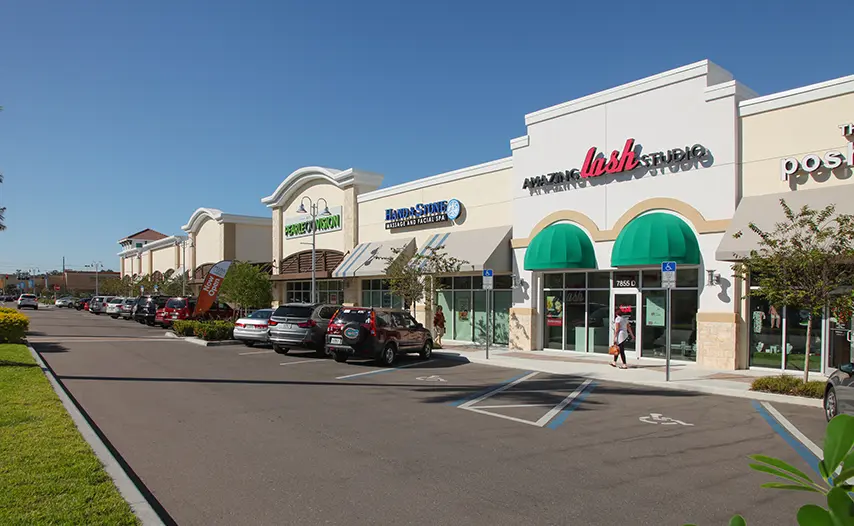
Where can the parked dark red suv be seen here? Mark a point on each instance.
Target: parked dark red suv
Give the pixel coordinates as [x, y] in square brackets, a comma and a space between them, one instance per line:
[381, 334]
[182, 309]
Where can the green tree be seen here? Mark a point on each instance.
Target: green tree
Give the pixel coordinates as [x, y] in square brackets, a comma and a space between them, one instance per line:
[805, 262]
[112, 287]
[412, 278]
[246, 286]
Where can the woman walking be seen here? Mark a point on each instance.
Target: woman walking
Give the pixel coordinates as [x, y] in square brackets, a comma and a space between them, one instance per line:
[438, 327]
[622, 331]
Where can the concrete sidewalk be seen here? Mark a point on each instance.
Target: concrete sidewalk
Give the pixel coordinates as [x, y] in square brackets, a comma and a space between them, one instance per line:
[648, 372]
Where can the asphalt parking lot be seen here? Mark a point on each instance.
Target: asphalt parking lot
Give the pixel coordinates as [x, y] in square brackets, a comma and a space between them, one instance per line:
[236, 435]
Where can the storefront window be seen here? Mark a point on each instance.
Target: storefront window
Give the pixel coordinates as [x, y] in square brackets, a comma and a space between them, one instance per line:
[554, 319]
[654, 324]
[464, 304]
[766, 334]
[683, 323]
[328, 291]
[598, 321]
[599, 280]
[796, 340]
[376, 293]
[553, 281]
[575, 280]
[651, 279]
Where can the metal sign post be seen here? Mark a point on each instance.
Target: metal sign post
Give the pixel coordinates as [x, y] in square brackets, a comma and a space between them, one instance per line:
[487, 286]
[668, 281]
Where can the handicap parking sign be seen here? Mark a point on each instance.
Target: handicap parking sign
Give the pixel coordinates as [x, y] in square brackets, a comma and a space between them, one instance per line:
[668, 266]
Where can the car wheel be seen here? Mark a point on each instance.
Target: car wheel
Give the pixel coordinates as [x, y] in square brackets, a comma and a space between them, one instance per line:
[114, 317]
[35, 308]
[249, 343]
[280, 349]
[341, 357]
[388, 355]
[427, 351]
[831, 404]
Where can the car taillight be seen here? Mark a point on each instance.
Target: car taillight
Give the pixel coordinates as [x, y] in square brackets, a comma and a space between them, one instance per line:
[239, 325]
[373, 323]
[307, 324]
[273, 323]
[261, 326]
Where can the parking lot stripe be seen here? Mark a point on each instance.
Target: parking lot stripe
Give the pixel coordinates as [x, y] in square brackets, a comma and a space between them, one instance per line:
[561, 418]
[494, 392]
[565, 402]
[461, 401]
[503, 406]
[800, 448]
[476, 410]
[301, 361]
[790, 427]
[377, 371]
[254, 352]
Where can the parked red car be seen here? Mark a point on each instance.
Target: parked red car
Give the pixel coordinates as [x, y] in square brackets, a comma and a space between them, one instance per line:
[182, 309]
[158, 317]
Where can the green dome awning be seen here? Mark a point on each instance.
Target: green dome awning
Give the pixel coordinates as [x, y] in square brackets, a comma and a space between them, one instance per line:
[654, 238]
[560, 246]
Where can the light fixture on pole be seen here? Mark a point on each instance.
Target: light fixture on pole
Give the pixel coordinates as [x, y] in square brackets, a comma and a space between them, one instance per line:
[187, 242]
[713, 277]
[312, 211]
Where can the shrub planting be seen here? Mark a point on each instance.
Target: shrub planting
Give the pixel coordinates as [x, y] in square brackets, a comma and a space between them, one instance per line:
[788, 385]
[214, 330]
[13, 326]
[184, 327]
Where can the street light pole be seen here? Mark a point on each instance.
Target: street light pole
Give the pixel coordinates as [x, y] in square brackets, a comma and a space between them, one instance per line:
[184, 274]
[95, 264]
[312, 211]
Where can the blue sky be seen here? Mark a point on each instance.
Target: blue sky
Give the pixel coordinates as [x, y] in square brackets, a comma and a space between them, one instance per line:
[125, 115]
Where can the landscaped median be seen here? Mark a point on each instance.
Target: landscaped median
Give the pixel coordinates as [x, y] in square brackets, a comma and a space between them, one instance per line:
[215, 332]
[789, 385]
[48, 473]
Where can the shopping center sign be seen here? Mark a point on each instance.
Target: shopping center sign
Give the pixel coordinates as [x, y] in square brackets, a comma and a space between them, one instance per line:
[620, 161]
[299, 226]
[812, 162]
[423, 214]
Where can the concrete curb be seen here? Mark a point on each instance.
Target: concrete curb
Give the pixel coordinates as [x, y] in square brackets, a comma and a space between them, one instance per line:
[676, 386]
[203, 343]
[129, 491]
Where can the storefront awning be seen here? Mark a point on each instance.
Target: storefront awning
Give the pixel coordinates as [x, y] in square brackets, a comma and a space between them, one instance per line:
[367, 258]
[654, 238]
[480, 249]
[560, 246]
[765, 211]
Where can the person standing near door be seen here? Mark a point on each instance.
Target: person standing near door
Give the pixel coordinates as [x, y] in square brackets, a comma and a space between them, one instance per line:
[438, 326]
[622, 331]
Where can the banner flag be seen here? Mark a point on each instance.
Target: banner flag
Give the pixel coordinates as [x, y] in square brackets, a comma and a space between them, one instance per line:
[210, 288]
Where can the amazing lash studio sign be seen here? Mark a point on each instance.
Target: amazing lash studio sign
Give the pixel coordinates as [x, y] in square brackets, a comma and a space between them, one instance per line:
[596, 165]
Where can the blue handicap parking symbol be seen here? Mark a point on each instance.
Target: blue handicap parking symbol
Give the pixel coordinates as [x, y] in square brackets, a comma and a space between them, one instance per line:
[668, 266]
[487, 272]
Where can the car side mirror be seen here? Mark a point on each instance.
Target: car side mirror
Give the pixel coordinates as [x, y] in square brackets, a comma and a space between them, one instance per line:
[847, 368]
[419, 325]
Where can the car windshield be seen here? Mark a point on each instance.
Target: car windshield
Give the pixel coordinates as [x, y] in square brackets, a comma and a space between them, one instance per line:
[28, 296]
[160, 302]
[293, 311]
[347, 315]
[115, 301]
[130, 301]
[176, 303]
[262, 314]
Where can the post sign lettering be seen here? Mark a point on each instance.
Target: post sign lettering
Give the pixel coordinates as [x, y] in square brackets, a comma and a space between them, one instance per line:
[828, 161]
[299, 226]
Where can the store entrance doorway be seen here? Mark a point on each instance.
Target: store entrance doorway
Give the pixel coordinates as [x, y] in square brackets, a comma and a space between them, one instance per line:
[841, 343]
[627, 302]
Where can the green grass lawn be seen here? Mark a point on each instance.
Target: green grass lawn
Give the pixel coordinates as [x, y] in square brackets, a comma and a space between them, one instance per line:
[48, 473]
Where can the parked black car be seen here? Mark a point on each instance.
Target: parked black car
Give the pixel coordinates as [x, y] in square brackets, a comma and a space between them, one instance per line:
[300, 325]
[381, 334]
[146, 308]
[79, 303]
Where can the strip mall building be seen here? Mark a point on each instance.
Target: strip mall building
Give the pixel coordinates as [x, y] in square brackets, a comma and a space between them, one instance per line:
[577, 222]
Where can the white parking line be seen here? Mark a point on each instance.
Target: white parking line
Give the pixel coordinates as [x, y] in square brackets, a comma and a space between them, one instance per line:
[502, 406]
[504, 387]
[376, 371]
[254, 352]
[301, 361]
[817, 451]
[558, 408]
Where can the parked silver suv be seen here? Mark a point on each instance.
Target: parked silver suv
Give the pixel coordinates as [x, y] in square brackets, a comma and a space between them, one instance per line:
[29, 301]
[300, 325]
[98, 304]
[114, 307]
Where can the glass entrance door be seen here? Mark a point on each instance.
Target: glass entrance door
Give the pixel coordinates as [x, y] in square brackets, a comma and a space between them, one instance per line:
[626, 302]
[841, 343]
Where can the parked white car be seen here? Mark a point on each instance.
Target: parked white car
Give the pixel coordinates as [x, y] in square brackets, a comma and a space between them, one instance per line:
[252, 329]
[28, 301]
[114, 307]
[67, 301]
